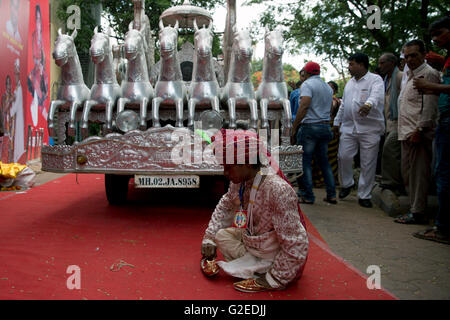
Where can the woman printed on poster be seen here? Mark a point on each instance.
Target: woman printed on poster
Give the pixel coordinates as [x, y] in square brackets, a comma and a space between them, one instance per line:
[38, 79]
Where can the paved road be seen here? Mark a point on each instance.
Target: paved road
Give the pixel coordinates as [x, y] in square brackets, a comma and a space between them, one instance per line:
[410, 268]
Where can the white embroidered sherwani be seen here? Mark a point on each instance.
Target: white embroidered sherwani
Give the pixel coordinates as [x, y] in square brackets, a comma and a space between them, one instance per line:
[279, 237]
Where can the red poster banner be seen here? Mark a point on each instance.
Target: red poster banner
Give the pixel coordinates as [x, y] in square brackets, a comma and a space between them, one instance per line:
[24, 77]
[13, 77]
[38, 74]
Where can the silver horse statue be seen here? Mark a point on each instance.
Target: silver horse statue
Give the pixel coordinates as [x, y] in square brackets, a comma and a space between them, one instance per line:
[239, 91]
[204, 90]
[170, 88]
[72, 91]
[136, 88]
[105, 91]
[272, 92]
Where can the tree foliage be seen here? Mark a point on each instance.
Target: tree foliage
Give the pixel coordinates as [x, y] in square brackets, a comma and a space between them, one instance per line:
[291, 75]
[120, 14]
[338, 28]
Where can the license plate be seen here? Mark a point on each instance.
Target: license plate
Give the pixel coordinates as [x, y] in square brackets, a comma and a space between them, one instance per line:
[167, 181]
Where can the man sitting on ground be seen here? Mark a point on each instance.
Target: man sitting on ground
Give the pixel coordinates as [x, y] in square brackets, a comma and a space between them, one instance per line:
[257, 225]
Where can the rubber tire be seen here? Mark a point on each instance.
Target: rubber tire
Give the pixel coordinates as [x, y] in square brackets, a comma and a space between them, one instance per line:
[214, 187]
[116, 187]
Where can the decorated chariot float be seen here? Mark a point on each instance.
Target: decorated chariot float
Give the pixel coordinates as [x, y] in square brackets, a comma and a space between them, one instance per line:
[157, 118]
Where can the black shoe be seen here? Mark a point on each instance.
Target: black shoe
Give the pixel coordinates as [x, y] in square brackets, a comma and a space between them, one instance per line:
[366, 203]
[345, 192]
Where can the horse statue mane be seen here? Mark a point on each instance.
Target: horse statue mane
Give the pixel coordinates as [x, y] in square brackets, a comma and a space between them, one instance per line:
[272, 92]
[119, 63]
[105, 91]
[170, 88]
[72, 91]
[136, 88]
[204, 90]
[239, 91]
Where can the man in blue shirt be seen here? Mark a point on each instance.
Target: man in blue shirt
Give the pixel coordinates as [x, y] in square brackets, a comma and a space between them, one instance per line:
[295, 95]
[311, 129]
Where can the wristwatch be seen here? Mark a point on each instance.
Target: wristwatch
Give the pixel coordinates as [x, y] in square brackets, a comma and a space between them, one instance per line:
[420, 129]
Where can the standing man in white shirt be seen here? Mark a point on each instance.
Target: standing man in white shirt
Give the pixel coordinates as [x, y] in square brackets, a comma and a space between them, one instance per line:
[416, 126]
[361, 123]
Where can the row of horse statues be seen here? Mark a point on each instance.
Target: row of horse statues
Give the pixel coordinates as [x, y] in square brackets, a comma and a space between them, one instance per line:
[136, 91]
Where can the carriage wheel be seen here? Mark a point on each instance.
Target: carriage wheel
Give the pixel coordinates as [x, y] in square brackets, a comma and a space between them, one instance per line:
[116, 187]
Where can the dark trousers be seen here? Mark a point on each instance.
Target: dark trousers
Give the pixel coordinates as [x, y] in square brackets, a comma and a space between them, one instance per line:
[315, 138]
[391, 173]
[443, 174]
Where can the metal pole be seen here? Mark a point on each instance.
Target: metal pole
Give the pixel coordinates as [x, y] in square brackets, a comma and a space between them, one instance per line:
[33, 142]
[41, 134]
[28, 142]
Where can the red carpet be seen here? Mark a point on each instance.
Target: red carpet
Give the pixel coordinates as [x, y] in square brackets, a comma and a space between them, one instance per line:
[62, 223]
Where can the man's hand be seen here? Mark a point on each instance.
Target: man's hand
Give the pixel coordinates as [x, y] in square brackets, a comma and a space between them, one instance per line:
[422, 85]
[416, 137]
[364, 110]
[209, 251]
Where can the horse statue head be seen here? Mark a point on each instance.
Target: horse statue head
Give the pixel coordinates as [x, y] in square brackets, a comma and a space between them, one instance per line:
[64, 48]
[134, 44]
[273, 55]
[273, 41]
[241, 57]
[242, 45]
[203, 39]
[168, 39]
[135, 48]
[100, 47]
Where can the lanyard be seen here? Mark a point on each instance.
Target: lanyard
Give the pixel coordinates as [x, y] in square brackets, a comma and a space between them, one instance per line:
[253, 192]
[241, 195]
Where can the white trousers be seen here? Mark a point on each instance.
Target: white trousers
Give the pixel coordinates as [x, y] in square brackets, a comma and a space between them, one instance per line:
[367, 144]
[240, 262]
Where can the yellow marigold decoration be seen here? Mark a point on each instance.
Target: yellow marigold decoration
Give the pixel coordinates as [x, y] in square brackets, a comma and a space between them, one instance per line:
[10, 170]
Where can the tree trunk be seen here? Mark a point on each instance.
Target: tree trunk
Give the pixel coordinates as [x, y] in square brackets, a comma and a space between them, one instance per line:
[424, 24]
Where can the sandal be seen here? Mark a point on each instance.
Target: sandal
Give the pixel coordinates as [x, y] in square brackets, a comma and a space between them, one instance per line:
[433, 234]
[411, 218]
[330, 200]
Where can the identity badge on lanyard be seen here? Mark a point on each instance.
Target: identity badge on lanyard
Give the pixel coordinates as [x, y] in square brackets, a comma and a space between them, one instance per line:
[240, 216]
